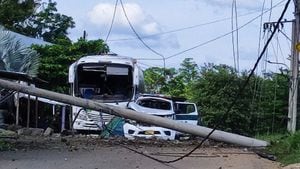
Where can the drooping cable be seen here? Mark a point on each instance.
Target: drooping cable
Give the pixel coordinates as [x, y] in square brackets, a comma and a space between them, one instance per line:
[143, 42]
[214, 39]
[112, 21]
[185, 28]
[275, 86]
[239, 93]
[256, 83]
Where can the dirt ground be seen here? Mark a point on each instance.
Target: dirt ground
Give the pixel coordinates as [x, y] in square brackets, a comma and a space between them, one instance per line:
[95, 153]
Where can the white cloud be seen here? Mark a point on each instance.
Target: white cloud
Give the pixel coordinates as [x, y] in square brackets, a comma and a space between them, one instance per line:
[101, 16]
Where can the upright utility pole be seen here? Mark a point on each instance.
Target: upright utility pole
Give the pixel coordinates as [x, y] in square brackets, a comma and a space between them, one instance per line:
[293, 90]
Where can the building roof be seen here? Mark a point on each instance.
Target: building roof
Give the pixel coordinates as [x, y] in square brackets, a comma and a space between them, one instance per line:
[20, 77]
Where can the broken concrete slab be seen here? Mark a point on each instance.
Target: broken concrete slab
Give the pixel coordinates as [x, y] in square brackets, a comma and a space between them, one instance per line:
[14, 127]
[37, 131]
[7, 134]
[30, 131]
[48, 131]
[24, 131]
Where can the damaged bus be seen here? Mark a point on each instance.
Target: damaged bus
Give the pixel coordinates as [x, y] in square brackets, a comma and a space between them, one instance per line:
[110, 79]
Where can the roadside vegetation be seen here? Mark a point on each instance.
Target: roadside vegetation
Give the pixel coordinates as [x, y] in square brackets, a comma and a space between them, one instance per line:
[261, 109]
[285, 147]
[4, 145]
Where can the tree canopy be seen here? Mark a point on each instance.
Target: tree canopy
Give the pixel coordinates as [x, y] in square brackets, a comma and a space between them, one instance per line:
[35, 19]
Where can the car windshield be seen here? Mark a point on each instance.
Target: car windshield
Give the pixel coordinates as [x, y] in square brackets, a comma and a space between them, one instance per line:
[155, 104]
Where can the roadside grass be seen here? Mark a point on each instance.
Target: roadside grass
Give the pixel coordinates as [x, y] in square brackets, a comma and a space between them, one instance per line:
[4, 145]
[285, 147]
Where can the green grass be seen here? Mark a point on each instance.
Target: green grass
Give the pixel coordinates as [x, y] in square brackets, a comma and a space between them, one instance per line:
[285, 147]
[4, 145]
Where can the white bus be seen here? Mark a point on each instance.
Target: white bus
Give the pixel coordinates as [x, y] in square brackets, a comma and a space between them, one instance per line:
[109, 78]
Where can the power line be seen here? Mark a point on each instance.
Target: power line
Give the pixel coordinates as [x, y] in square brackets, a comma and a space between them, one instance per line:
[138, 36]
[242, 88]
[221, 36]
[184, 28]
[214, 39]
[112, 21]
[284, 34]
[256, 81]
[239, 93]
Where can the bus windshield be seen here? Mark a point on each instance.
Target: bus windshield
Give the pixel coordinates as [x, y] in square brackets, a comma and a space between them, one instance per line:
[104, 82]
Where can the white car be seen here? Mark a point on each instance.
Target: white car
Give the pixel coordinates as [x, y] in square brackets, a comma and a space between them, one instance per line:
[157, 106]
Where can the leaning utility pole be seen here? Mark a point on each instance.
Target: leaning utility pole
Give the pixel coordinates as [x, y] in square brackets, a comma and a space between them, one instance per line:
[293, 89]
[130, 114]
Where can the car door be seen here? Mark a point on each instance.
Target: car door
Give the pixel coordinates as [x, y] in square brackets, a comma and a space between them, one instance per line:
[186, 113]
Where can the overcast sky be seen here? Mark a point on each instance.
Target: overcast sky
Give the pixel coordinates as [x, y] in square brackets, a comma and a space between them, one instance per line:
[152, 19]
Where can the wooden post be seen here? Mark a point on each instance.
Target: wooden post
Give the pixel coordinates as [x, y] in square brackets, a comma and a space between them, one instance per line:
[63, 118]
[28, 111]
[17, 108]
[36, 111]
[130, 114]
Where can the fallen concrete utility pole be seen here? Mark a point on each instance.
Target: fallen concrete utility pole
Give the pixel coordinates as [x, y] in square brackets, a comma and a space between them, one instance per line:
[130, 114]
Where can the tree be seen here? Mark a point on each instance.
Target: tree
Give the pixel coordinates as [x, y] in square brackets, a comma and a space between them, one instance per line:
[156, 79]
[56, 59]
[49, 25]
[260, 108]
[170, 81]
[188, 73]
[188, 70]
[14, 13]
[31, 18]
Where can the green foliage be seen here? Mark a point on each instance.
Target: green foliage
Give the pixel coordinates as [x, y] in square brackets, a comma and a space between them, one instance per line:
[260, 108]
[31, 18]
[285, 147]
[56, 59]
[14, 13]
[15, 57]
[49, 25]
[156, 79]
[188, 70]
[170, 81]
[4, 145]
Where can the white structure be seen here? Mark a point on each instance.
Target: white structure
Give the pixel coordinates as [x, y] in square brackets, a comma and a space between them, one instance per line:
[110, 79]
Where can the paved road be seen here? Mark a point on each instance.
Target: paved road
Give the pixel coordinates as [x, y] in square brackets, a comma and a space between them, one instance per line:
[116, 157]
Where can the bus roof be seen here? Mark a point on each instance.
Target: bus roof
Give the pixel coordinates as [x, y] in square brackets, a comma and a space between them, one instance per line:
[112, 58]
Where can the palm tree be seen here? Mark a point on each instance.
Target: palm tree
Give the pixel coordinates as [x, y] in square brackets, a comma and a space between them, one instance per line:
[15, 57]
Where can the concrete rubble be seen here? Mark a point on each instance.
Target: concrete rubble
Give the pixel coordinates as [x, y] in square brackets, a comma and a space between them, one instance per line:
[48, 131]
[30, 131]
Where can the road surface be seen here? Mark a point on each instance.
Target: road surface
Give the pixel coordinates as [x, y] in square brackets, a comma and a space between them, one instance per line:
[87, 154]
